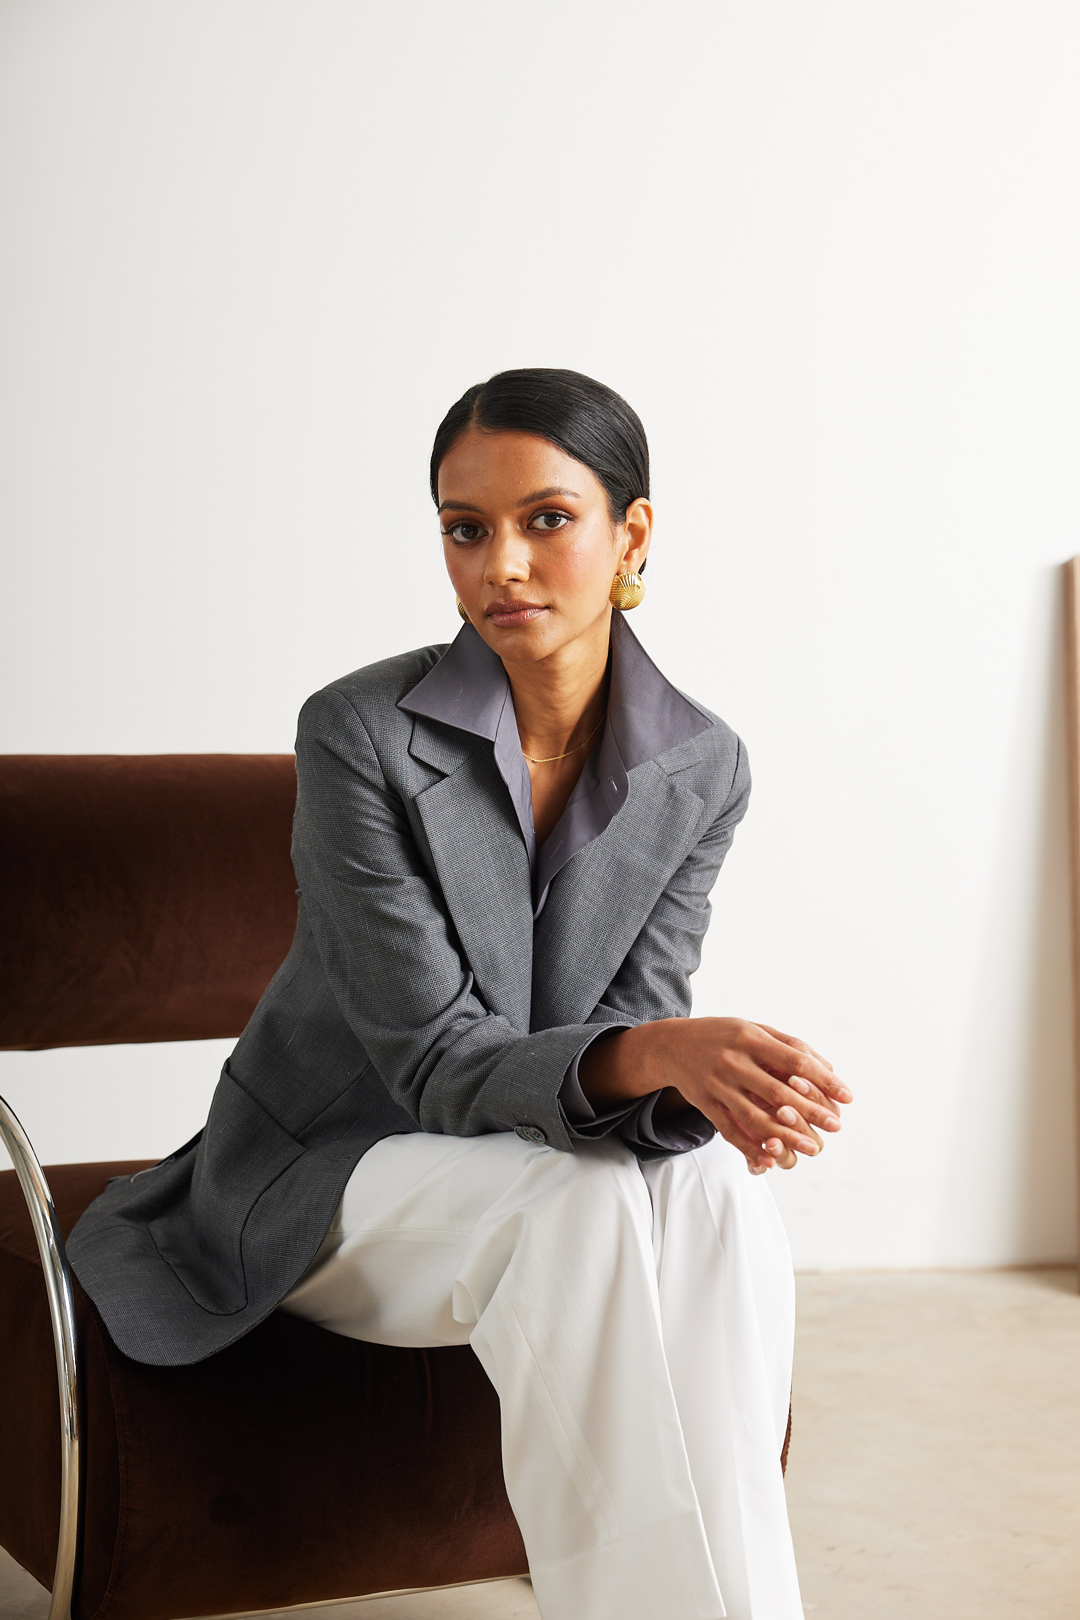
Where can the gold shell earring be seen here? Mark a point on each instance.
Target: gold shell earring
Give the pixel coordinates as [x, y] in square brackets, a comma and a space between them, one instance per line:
[461, 609]
[627, 591]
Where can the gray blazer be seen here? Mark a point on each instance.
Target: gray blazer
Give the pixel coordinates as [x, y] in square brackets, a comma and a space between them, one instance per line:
[423, 990]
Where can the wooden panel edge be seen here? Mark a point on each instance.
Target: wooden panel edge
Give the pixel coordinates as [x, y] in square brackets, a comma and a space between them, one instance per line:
[1072, 712]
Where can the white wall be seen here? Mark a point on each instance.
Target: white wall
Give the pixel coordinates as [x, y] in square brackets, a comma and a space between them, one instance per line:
[253, 249]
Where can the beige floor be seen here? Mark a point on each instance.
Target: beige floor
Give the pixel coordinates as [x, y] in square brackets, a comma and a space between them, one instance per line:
[935, 1468]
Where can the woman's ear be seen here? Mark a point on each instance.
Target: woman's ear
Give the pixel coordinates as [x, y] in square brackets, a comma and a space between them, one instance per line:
[636, 536]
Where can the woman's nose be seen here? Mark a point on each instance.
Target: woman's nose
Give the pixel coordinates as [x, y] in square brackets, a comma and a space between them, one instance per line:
[507, 558]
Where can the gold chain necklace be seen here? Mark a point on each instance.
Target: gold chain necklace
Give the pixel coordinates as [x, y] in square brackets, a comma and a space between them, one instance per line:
[551, 758]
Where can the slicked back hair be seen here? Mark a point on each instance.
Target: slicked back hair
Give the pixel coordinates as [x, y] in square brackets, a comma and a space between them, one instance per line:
[588, 420]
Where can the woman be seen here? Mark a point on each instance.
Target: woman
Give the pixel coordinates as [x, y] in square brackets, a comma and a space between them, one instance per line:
[471, 1106]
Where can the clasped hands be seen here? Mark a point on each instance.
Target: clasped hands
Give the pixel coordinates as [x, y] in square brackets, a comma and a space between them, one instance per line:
[767, 1093]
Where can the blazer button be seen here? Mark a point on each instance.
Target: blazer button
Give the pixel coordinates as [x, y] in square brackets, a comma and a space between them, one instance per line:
[531, 1133]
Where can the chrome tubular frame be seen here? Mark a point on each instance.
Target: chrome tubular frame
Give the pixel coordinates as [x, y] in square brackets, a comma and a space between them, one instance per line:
[54, 1264]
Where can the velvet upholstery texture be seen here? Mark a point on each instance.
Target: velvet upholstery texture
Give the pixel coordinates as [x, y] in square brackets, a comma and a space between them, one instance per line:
[294, 1466]
[146, 897]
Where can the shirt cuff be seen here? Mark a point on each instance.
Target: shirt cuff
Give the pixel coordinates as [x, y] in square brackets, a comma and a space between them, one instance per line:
[678, 1133]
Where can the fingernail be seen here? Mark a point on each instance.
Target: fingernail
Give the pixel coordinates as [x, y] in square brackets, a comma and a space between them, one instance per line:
[756, 1169]
[787, 1116]
[829, 1123]
[844, 1095]
[806, 1145]
[773, 1146]
[798, 1085]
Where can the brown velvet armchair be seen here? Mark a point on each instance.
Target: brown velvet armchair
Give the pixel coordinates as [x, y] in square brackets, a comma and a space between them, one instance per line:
[150, 898]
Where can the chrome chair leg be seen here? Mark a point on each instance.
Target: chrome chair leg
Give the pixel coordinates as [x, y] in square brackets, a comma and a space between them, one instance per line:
[54, 1264]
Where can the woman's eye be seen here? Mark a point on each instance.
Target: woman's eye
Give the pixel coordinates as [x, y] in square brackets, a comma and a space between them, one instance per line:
[464, 532]
[549, 521]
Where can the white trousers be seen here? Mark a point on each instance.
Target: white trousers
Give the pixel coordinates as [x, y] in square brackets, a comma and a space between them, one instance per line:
[636, 1321]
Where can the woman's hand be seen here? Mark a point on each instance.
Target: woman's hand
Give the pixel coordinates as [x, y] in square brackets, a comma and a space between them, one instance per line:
[765, 1091]
[783, 1156]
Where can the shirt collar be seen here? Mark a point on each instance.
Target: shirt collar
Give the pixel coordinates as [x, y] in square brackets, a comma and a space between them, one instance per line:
[469, 688]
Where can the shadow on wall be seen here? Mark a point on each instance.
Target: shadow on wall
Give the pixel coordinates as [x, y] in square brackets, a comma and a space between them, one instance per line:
[1013, 1197]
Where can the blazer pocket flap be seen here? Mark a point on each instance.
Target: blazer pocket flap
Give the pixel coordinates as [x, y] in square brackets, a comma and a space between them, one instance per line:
[242, 1152]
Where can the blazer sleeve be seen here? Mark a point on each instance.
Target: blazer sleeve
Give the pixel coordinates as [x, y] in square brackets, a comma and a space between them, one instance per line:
[653, 980]
[387, 946]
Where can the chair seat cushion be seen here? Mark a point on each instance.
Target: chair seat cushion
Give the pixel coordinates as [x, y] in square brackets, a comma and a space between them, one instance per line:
[294, 1467]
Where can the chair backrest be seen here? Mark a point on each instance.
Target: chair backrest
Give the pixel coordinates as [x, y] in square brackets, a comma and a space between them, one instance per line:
[144, 897]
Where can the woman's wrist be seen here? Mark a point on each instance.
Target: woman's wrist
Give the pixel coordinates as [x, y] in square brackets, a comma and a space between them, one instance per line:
[622, 1066]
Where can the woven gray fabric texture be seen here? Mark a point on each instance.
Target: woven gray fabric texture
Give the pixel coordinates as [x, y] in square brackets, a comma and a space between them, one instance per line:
[419, 993]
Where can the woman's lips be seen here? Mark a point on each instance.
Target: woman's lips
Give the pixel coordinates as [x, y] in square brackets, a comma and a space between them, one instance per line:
[508, 614]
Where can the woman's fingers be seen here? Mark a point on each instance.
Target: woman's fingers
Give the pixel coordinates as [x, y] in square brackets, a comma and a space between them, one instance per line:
[803, 1048]
[761, 1090]
[783, 1102]
[815, 1113]
[797, 1042]
[757, 1158]
[763, 1127]
[799, 1123]
[782, 1156]
[821, 1117]
[794, 1061]
[820, 1101]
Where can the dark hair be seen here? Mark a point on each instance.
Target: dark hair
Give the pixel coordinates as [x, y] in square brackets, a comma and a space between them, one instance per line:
[590, 422]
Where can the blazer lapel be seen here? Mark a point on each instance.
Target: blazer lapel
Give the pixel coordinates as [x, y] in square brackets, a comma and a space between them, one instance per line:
[601, 899]
[482, 866]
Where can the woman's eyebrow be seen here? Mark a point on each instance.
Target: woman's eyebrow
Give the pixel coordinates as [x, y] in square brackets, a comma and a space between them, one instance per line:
[546, 494]
[537, 495]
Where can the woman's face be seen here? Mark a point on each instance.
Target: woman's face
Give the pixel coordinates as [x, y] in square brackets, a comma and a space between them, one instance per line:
[530, 545]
